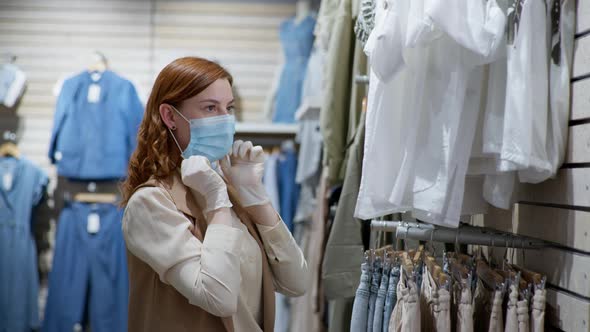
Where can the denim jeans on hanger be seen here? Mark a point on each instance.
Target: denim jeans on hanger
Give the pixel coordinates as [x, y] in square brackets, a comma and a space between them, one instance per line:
[375, 283]
[391, 297]
[380, 303]
[360, 307]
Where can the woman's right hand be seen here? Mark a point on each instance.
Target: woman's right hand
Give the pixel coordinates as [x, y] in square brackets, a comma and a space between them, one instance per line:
[208, 186]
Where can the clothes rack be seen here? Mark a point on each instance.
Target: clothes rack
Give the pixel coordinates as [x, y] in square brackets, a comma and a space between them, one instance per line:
[464, 234]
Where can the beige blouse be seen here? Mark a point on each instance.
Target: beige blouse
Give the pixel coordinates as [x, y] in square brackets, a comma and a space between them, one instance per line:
[222, 274]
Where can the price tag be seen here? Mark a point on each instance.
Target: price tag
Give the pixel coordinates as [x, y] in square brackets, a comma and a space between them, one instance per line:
[7, 181]
[93, 225]
[93, 93]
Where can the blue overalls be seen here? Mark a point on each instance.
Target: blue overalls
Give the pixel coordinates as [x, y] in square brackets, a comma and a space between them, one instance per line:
[88, 282]
[19, 281]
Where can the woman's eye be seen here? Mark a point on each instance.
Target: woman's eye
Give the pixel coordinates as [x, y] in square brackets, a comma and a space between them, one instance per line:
[211, 108]
[231, 109]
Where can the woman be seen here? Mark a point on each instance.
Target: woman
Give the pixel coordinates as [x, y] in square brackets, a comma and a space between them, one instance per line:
[206, 252]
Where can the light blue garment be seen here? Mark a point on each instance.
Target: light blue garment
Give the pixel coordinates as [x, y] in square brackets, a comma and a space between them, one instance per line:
[19, 283]
[94, 140]
[88, 283]
[288, 189]
[283, 315]
[7, 76]
[211, 137]
[391, 298]
[375, 284]
[270, 180]
[297, 41]
[360, 308]
[381, 295]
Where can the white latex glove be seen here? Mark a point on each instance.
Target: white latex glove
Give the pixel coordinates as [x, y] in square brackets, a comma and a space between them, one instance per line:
[207, 186]
[244, 168]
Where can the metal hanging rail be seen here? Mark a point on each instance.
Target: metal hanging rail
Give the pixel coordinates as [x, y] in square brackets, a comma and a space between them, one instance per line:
[464, 234]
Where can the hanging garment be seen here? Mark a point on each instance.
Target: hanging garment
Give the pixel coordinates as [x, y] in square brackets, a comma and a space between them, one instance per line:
[309, 135]
[288, 189]
[462, 309]
[434, 305]
[430, 183]
[560, 28]
[95, 127]
[487, 309]
[406, 314]
[395, 322]
[89, 271]
[525, 120]
[391, 298]
[380, 303]
[496, 318]
[511, 314]
[388, 132]
[411, 308]
[307, 311]
[522, 310]
[338, 76]
[344, 248]
[270, 180]
[375, 284]
[22, 185]
[365, 21]
[360, 309]
[282, 313]
[297, 41]
[538, 310]
[12, 84]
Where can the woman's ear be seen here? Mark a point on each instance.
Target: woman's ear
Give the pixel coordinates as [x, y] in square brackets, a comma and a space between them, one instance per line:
[168, 116]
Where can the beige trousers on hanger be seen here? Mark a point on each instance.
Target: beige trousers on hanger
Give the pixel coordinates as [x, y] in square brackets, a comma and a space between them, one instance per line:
[435, 305]
[395, 322]
[538, 311]
[522, 309]
[496, 319]
[462, 308]
[406, 315]
[511, 315]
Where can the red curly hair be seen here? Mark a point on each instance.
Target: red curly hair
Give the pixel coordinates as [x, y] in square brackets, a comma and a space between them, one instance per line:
[156, 153]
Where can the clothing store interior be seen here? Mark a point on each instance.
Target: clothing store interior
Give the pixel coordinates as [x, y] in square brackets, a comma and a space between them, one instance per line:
[410, 183]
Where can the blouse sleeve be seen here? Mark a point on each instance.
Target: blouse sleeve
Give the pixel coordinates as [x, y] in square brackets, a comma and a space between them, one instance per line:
[286, 259]
[206, 273]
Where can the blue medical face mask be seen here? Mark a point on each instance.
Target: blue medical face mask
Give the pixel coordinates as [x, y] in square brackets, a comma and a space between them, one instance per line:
[211, 137]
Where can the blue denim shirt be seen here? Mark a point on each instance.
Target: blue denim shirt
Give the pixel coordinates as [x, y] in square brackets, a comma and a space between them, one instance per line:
[19, 283]
[93, 141]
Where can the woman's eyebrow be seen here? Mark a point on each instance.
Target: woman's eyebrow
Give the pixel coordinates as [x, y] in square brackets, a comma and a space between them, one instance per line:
[209, 101]
[215, 101]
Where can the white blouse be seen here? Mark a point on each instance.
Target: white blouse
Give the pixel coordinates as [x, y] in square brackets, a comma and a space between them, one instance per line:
[222, 274]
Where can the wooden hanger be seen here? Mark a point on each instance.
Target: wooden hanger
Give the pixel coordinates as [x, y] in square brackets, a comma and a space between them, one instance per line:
[491, 278]
[96, 198]
[418, 255]
[9, 149]
[529, 276]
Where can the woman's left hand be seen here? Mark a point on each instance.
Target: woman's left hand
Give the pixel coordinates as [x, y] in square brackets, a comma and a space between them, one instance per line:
[244, 168]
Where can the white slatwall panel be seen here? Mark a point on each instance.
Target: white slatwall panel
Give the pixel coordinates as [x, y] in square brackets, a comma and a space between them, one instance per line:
[55, 38]
[557, 210]
[243, 37]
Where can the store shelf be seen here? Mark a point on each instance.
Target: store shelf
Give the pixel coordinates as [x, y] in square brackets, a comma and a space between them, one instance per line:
[266, 128]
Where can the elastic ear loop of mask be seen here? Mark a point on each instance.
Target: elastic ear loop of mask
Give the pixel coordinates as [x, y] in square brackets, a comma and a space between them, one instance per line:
[173, 136]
